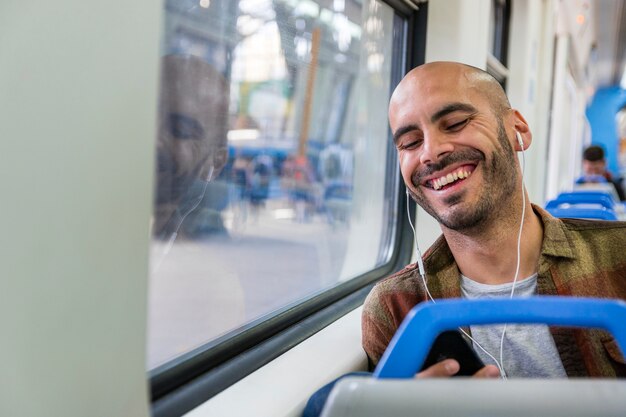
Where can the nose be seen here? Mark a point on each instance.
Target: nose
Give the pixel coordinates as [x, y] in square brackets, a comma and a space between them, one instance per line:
[434, 147]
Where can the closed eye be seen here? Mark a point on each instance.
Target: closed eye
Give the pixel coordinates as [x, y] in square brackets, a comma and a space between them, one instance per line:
[410, 144]
[458, 126]
[184, 127]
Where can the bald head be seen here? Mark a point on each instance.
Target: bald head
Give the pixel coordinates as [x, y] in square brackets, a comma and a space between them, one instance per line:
[452, 76]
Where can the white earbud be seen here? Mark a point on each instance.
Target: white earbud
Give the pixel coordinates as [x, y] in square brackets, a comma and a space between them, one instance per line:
[519, 139]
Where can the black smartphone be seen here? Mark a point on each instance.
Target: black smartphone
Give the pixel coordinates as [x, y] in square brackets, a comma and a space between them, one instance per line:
[451, 345]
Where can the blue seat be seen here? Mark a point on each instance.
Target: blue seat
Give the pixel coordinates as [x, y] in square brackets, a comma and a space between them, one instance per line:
[395, 393]
[574, 212]
[590, 178]
[410, 345]
[584, 204]
[583, 197]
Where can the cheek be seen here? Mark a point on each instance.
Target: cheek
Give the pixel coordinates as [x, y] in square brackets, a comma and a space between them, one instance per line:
[406, 166]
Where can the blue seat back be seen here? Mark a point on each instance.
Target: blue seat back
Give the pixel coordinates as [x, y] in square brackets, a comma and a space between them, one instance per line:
[583, 197]
[600, 213]
[410, 345]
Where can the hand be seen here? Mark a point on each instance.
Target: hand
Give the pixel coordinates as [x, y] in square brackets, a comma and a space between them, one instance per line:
[450, 367]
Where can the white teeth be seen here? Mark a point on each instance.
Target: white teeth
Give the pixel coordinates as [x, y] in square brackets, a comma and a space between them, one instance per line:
[450, 178]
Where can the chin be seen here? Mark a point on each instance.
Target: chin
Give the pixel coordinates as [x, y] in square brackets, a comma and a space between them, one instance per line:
[461, 217]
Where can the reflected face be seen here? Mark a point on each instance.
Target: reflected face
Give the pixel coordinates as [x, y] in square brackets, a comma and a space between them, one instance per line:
[455, 156]
[191, 142]
[594, 167]
[193, 117]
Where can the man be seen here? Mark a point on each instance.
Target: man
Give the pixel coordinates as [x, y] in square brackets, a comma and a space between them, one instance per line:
[456, 138]
[594, 167]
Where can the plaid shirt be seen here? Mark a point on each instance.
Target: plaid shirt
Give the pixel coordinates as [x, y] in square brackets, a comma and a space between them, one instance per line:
[584, 258]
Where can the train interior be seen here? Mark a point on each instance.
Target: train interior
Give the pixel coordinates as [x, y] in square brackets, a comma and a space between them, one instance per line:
[199, 194]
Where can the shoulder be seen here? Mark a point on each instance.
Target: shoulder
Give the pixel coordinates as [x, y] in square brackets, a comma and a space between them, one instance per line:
[403, 281]
[592, 258]
[583, 236]
[385, 307]
[393, 297]
[399, 292]
[601, 243]
[596, 229]
[579, 232]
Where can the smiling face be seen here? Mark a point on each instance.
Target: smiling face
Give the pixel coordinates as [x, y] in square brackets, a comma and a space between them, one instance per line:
[449, 123]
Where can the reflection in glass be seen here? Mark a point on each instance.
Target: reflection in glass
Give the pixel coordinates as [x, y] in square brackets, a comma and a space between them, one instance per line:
[271, 160]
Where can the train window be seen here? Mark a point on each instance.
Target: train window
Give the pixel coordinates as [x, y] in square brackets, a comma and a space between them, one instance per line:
[500, 17]
[273, 161]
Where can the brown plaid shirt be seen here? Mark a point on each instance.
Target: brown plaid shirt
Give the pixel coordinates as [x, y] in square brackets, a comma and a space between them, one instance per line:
[583, 258]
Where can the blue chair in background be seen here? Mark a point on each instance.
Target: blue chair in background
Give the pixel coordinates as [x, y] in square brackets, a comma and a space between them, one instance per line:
[583, 197]
[584, 204]
[574, 212]
[583, 179]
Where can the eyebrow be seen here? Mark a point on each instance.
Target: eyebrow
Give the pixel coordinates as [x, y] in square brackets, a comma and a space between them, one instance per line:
[402, 130]
[451, 108]
[445, 110]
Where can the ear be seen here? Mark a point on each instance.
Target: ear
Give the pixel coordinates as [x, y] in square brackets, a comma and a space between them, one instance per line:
[521, 126]
[220, 157]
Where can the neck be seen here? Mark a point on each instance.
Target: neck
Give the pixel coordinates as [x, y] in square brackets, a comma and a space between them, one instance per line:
[489, 255]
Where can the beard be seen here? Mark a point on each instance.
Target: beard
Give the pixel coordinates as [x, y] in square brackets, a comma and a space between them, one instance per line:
[500, 177]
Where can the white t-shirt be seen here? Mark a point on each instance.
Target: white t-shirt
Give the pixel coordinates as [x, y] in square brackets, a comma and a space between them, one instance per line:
[529, 350]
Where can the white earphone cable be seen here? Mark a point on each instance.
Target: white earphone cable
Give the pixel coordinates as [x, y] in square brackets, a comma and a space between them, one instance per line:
[422, 274]
[519, 246]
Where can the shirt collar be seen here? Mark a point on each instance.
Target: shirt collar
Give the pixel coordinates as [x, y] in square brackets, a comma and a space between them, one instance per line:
[555, 243]
[555, 235]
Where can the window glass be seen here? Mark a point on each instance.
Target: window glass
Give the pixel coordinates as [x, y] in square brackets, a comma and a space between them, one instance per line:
[273, 168]
[620, 123]
[499, 33]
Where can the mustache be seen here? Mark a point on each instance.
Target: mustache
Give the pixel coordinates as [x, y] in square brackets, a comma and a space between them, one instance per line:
[449, 159]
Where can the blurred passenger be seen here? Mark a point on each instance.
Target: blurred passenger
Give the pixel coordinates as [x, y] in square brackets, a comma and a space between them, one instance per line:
[594, 168]
[259, 174]
[240, 174]
[298, 179]
[335, 169]
[191, 148]
[241, 187]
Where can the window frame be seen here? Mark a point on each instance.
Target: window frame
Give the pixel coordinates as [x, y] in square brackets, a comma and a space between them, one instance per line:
[194, 377]
[500, 47]
[497, 57]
